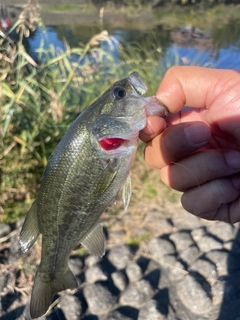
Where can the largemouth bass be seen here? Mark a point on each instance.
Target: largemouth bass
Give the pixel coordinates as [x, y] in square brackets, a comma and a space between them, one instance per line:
[83, 176]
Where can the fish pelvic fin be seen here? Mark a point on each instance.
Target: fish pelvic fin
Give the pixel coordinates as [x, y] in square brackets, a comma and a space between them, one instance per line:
[30, 230]
[127, 192]
[45, 287]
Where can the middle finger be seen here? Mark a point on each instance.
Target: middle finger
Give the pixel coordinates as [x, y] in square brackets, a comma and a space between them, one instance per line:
[201, 167]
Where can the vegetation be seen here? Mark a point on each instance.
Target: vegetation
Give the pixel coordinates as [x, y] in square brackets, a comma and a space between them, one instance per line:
[204, 17]
[131, 6]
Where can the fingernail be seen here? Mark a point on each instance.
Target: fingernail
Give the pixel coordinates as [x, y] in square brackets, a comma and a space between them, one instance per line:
[233, 158]
[197, 133]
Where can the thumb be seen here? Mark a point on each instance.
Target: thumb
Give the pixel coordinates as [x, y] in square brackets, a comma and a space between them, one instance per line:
[198, 87]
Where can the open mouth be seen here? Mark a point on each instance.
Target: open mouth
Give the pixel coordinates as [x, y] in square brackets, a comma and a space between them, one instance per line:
[111, 143]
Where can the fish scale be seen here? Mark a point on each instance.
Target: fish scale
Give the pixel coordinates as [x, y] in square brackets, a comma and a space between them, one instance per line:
[82, 177]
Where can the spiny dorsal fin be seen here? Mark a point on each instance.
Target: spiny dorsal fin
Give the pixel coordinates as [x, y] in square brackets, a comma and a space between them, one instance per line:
[95, 241]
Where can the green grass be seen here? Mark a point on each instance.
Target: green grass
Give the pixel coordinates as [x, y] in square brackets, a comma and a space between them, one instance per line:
[63, 7]
[199, 15]
[137, 240]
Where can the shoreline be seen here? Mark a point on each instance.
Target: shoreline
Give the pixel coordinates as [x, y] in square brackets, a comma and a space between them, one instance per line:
[144, 19]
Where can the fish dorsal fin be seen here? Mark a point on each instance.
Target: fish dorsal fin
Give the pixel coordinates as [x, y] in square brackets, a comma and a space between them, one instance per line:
[95, 241]
[30, 230]
[127, 192]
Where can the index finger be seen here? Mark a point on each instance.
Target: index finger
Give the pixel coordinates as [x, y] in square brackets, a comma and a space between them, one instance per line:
[197, 87]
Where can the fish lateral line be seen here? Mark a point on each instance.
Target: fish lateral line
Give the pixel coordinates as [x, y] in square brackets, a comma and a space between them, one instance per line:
[111, 143]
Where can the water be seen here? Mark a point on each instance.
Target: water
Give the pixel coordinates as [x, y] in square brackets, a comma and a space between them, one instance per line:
[214, 49]
[228, 58]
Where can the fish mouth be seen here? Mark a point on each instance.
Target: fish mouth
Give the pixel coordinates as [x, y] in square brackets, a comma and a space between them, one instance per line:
[154, 107]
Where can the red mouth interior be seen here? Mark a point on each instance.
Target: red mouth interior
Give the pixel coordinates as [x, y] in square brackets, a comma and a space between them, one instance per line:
[111, 143]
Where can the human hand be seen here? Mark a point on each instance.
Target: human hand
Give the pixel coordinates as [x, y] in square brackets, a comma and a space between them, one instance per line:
[199, 152]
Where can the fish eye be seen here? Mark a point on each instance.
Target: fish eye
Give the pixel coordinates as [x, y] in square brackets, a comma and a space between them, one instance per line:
[119, 93]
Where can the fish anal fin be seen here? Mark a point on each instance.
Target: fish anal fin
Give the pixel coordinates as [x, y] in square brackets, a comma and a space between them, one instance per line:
[44, 289]
[127, 192]
[95, 241]
[30, 230]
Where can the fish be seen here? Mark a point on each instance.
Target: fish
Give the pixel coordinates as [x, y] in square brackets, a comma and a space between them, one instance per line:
[82, 178]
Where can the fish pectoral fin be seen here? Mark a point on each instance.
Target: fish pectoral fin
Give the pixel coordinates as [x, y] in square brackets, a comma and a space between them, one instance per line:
[127, 192]
[30, 230]
[45, 287]
[95, 241]
[103, 181]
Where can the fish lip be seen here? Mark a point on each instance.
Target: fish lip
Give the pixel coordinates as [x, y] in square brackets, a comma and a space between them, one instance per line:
[154, 107]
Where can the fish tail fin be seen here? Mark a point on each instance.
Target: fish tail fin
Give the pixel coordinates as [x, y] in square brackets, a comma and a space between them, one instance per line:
[45, 287]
